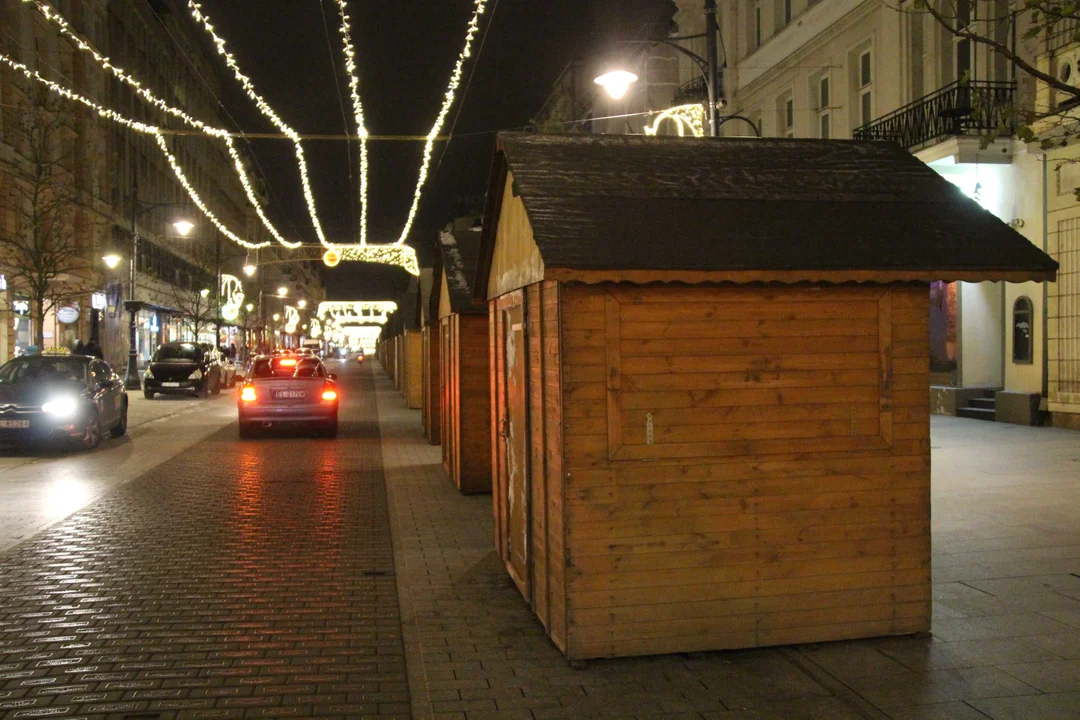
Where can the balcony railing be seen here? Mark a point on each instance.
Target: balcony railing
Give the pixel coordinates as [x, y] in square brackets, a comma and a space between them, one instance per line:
[976, 107]
[694, 91]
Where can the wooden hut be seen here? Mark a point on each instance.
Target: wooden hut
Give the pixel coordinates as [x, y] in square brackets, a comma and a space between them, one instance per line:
[411, 358]
[710, 370]
[429, 341]
[465, 388]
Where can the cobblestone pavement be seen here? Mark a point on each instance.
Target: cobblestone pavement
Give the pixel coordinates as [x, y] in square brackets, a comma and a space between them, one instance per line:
[39, 486]
[241, 579]
[1006, 641]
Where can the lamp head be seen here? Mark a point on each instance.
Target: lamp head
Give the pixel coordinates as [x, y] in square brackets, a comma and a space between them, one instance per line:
[250, 269]
[616, 82]
[301, 304]
[183, 227]
[112, 260]
[204, 292]
[282, 291]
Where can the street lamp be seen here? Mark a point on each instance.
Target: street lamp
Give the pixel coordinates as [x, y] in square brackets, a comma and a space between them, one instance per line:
[204, 293]
[112, 260]
[250, 269]
[282, 291]
[301, 303]
[183, 227]
[618, 81]
[277, 317]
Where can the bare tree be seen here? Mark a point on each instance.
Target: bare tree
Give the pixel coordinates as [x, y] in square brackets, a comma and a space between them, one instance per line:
[195, 295]
[40, 247]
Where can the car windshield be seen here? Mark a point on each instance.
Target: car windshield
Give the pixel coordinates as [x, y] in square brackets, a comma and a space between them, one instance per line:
[42, 370]
[178, 351]
[287, 366]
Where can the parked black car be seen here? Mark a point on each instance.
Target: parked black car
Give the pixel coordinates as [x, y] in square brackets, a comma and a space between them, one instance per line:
[182, 368]
[61, 396]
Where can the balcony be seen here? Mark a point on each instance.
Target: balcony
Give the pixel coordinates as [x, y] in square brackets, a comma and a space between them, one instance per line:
[693, 92]
[972, 108]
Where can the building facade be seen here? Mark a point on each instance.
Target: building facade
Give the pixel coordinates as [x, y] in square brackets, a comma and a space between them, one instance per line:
[124, 178]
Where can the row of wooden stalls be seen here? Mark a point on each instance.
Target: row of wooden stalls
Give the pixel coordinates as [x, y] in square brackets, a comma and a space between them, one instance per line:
[701, 368]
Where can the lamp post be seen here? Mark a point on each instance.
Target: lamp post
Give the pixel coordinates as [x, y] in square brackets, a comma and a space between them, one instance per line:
[618, 81]
[132, 379]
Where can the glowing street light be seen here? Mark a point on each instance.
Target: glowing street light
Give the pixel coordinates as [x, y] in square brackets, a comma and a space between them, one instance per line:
[616, 82]
[282, 291]
[277, 316]
[301, 304]
[112, 260]
[249, 307]
[183, 227]
[204, 292]
[250, 269]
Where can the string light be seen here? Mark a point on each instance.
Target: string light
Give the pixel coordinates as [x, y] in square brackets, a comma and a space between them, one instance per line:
[316, 329]
[357, 311]
[233, 292]
[267, 111]
[151, 130]
[686, 117]
[400, 255]
[65, 29]
[448, 101]
[358, 112]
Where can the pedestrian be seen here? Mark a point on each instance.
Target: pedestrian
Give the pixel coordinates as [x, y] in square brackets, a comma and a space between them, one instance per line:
[232, 351]
[78, 348]
[94, 350]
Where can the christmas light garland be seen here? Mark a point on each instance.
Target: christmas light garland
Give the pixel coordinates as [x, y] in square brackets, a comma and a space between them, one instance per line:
[448, 101]
[358, 112]
[140, 127]
[400, 255]
[686, 117]
[61, 23]
[267, 111]
[357, 312]
[232, 290]
[292, 319]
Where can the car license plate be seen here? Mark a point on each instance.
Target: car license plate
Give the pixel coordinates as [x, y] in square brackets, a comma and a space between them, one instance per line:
[170, 384]
[14, 423]
[289, 394]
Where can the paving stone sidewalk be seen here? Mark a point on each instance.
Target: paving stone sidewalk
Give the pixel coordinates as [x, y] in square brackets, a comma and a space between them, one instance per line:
[1006, 645]
[242, 579]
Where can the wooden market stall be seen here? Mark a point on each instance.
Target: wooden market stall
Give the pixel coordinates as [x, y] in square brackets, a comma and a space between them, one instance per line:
[429, 344]
[411, 357]
[710, 372]
[465, 388]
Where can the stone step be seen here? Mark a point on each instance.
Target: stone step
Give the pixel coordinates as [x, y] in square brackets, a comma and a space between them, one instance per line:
[983, 403]
[975, 413]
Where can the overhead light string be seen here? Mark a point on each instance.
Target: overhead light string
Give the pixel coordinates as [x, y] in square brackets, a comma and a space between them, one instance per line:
[140, 127]
[448, 100]
[268, 112]
[65, 28]
[358, 112]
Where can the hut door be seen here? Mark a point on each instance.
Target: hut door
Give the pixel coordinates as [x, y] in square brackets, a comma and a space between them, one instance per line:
[514, 432]
[445, 399]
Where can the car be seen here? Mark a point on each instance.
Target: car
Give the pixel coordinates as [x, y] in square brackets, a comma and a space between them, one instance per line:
[288, 390]
[61, 396]
[182, 368]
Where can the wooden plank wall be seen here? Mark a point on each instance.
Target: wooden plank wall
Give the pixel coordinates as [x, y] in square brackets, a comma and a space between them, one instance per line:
[787, 499]
[414, 369]
[432, 399]
[448, 396]
[473, 404]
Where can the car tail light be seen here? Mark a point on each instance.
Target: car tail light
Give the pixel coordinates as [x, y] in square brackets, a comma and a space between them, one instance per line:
[287, 362]
[329, 394]
[247, 394]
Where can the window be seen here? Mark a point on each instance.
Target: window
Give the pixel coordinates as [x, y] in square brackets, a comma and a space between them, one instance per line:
[1023, 327]
[820, 92]
[757, 26]
[787, 11]
[789, 118]
[864, 84]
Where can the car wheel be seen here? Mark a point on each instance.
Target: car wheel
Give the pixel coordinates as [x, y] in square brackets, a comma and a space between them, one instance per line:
[120, 428]
[246, 431]
[148, 394]
[91, 436]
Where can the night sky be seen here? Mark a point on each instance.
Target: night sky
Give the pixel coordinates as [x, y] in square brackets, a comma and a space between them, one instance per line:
[405, 53]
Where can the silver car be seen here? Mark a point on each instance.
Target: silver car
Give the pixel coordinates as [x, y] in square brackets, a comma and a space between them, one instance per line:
[288, 390]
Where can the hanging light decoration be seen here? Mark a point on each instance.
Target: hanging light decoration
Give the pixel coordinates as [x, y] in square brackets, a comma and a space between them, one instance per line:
[232, 293]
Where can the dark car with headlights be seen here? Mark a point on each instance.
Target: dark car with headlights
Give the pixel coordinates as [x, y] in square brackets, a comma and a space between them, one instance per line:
[182, 368]
[61, 397]
[288, 390]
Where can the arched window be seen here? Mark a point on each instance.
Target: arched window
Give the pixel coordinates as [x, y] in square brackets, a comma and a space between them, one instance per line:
[1023, 330]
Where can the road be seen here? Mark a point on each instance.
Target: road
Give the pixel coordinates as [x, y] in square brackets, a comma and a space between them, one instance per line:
[212, 577]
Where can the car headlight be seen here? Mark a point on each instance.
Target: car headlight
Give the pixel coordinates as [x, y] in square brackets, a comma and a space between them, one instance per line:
[197, 375]
[148, 373]
[63, 407]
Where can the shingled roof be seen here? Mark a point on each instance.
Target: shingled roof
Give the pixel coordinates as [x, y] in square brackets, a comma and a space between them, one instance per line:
[458, 253]
[603, 202]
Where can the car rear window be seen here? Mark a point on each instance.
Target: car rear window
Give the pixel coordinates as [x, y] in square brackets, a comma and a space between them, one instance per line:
[285, 367]
[179, 351]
